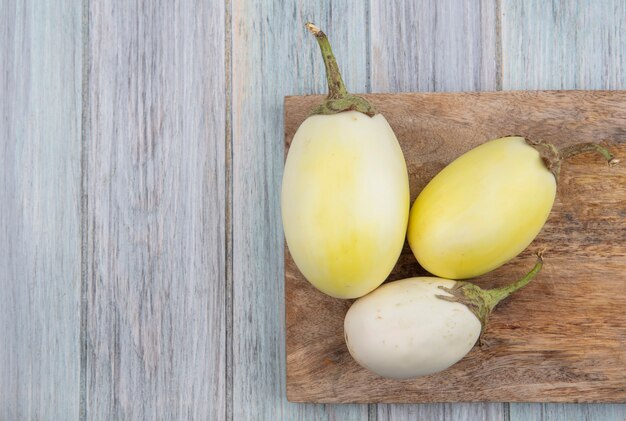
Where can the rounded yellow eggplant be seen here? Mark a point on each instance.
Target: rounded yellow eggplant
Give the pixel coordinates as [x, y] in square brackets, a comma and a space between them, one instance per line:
[487, 206]
[345, 192]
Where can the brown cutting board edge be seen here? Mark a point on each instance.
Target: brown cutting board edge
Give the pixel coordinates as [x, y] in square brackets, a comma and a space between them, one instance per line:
[563, 337]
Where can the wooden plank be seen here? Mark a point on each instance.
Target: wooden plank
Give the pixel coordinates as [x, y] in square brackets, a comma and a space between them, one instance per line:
[40, 190]
[156, 211]
[441, 412]
[434, 46]
[566, 412]
[571, 45]
[273, 56]
[527, 352]
[577, 44]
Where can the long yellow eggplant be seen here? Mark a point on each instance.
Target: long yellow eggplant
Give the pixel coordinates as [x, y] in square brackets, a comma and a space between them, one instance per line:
[345, 192]
[487, 206]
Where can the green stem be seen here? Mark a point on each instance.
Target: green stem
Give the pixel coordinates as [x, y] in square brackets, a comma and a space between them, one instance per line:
[482, 302]
[552, 156]
[336, 87]
[574, 150]
[495, 295]
[338, 100]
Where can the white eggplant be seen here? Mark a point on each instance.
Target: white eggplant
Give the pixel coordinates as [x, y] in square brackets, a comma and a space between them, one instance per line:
[420, 326]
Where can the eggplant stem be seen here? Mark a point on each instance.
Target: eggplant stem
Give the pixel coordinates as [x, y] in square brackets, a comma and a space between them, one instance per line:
[482, 302]
[552, 156]
[338, 100]
[574, 150]
[495, 295]
[336, 86]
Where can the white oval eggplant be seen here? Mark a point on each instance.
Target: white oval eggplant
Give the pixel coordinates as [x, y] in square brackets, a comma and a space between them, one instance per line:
[420, 326]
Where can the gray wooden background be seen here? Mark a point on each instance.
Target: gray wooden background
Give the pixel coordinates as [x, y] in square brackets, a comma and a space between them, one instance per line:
[141, 248]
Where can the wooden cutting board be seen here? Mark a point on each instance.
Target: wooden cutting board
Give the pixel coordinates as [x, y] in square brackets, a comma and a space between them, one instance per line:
[563, 337]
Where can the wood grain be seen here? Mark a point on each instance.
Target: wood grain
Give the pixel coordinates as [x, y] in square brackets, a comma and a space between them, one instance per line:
[568, 45]
[566, 412]
[529, 353]
[158, 349]
[40, 188]
[435, 46]
[441, 412]
[273, 55]
[552, 44]
[156, 179]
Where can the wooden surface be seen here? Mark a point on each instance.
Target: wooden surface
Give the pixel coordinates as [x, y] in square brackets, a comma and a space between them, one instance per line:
[195, 91]
[40, 210]
[422, 52]
[156, 275]
[529, 354]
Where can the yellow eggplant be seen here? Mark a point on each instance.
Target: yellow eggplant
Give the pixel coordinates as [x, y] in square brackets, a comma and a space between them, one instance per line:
[487, 206]
[345, 192]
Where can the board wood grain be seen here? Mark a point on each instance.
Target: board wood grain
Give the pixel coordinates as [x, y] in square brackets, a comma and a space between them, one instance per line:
[156, 292]
[40, 209]
[530, 353]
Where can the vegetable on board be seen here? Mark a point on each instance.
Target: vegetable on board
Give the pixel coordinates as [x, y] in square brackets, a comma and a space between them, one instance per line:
[345, 192]
[420, 326]
[487, 206]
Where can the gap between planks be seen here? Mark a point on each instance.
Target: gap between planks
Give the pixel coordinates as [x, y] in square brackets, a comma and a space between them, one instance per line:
[84, 211]
[228, 237]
